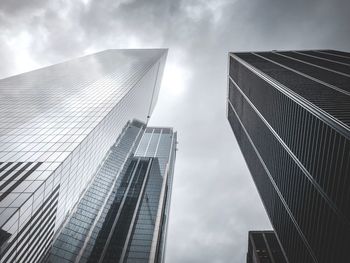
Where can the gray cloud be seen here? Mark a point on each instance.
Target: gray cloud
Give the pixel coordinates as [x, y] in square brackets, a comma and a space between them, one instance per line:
[214, 201]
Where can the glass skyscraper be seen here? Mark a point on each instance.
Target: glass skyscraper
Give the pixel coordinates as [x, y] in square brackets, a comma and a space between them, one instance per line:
[290, 113]
[263, 247]
[123, 215]
[57, 125]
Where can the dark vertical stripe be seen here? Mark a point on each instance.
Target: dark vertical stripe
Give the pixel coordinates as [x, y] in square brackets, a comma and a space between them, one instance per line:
[10, 171]
[42, 233]
[5, 166]
[8, 191]
[33, 220]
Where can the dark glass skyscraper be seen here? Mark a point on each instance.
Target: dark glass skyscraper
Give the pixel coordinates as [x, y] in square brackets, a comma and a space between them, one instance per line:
[263, 247]
[57, 125]
[123, 215]
[290, 113]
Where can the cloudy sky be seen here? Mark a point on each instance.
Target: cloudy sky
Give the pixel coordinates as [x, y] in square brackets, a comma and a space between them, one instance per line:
[214, 200]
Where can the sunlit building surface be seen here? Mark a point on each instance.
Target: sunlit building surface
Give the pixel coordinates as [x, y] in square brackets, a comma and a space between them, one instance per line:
[290, 113]
[57, 125]
[123, 215]
[263, 247]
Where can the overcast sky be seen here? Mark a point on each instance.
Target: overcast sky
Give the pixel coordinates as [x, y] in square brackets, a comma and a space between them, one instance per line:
[214, 201]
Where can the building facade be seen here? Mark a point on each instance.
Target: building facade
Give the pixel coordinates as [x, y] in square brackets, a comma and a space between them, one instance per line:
[56, 126]
[123, 215]
[290, 113]
[263, 247]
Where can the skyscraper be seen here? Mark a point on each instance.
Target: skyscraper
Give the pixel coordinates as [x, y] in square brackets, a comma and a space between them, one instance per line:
[123, 215]
[290, 113]
[263, 247]
[56, 126]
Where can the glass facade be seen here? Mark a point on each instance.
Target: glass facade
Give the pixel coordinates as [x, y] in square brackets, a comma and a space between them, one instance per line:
[290, 113]
[263, 247]
[123, 214]
[56, 126]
